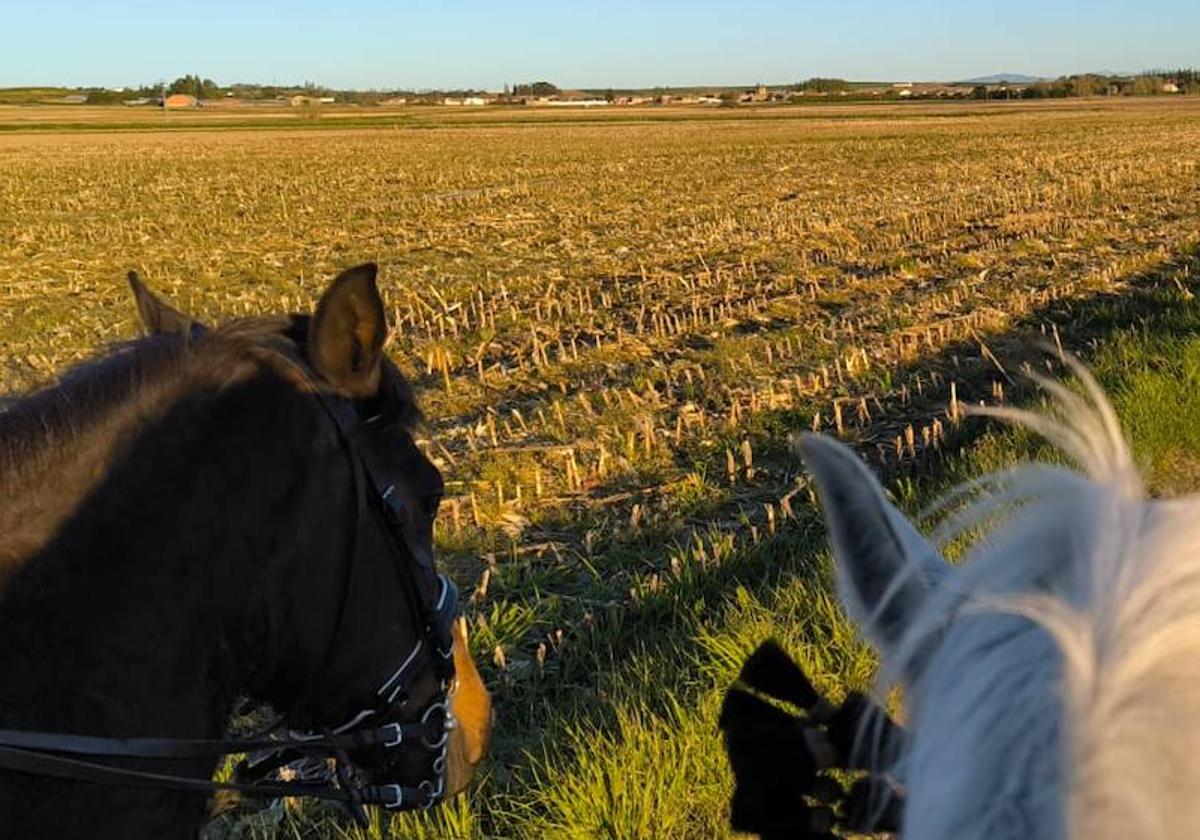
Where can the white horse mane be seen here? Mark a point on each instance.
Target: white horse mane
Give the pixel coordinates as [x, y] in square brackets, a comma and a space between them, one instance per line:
[1054, 676]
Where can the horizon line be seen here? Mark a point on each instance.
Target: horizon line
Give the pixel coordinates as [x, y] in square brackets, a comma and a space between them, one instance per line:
[772, 84]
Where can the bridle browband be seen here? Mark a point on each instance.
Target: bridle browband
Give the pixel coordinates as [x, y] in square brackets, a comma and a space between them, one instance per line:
[433, 605]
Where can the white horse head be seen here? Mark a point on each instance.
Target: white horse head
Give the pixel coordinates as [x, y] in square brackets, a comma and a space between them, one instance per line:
[1052, 678]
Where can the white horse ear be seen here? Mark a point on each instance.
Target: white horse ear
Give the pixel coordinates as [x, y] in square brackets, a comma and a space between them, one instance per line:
[885, 567]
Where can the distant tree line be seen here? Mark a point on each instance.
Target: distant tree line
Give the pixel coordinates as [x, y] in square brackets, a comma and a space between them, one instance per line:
[535, 89]
[195, 86]
[1151, 83]
[1155, 83]
[204, 88]
[103, 96]
[820, 85]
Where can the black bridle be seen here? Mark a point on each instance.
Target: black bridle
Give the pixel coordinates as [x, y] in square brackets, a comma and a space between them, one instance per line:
[433, 604]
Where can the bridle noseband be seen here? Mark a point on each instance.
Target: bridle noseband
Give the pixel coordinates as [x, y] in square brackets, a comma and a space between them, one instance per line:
[433, 606]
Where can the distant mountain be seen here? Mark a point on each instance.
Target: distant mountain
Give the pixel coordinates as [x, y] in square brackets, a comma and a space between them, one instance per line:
[998, 78]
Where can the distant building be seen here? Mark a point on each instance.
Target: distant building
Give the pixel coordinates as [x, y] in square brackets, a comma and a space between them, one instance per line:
[1170, 87]
[577, 103]
[74, 99]
[180, 100]
[547, 102]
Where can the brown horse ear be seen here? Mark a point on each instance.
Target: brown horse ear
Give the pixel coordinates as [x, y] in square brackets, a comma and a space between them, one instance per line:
[345, 338]
[159, 318]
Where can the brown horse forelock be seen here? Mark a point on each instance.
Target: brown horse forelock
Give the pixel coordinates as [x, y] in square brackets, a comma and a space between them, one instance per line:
[57, 442]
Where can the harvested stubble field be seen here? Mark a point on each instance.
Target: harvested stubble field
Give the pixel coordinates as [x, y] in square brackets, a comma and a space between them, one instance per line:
[615, 326]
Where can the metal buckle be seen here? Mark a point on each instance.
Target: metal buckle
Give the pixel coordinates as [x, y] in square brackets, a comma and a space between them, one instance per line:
[393, 503]
[396, 801]
[397, 737]
[433, 794]
[444, 708]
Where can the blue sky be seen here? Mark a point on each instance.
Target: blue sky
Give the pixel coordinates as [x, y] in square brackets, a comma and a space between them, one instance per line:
[586, 43]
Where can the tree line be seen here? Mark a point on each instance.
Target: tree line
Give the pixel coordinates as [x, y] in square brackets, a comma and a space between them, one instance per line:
[1185, 81]
[1152, 83]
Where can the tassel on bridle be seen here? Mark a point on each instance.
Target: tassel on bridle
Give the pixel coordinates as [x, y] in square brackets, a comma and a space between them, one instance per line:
[781, 759]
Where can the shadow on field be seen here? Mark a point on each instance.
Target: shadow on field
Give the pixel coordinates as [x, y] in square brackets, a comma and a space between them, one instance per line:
[615, 638]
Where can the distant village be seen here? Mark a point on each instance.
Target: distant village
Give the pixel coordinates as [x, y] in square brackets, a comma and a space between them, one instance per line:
[190, 92]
